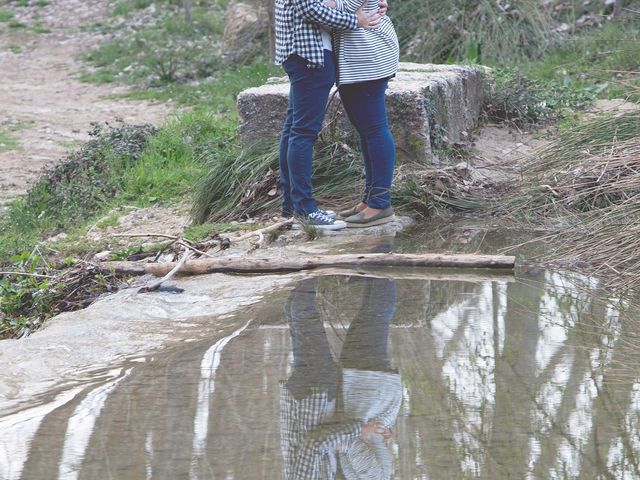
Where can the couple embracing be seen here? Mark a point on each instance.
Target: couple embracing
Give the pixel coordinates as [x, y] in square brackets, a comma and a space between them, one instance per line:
[353, 45]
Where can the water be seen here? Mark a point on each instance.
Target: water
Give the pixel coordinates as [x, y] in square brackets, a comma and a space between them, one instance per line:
[469, 377]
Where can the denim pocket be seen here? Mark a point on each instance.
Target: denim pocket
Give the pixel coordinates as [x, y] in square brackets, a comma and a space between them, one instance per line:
[294, 64]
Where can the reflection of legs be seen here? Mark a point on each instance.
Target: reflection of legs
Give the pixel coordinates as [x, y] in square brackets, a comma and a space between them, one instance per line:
[313, 364]
[366, 346]
[365, 106]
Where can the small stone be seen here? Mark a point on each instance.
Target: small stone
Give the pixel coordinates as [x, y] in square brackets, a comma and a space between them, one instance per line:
[102, 256]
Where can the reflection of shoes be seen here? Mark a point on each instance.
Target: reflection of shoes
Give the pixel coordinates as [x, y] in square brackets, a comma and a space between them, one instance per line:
[321, 221]
[347, 213]
[358, 220]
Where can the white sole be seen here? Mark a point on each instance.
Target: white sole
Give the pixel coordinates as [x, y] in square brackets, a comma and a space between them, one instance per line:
[343, 225]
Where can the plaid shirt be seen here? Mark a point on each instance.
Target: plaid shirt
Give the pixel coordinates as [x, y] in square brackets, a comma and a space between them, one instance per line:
[309, 435]
[297, 29]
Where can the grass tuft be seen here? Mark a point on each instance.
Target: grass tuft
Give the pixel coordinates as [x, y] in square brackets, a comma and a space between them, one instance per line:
[241, 184]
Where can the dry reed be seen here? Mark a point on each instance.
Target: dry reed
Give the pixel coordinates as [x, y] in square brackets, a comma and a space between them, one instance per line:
[590, 180]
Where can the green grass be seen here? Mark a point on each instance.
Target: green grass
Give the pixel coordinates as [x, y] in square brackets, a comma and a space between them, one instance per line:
[40, 28]
[7, 141]
[215, 94]
[601, 60]
[237, 183]
[127, 7]
[197, 233]
[166, 51]
[172, 161]
[16, 49]
[117, 168]
[6, 15]
[72, 191]
[524, 102]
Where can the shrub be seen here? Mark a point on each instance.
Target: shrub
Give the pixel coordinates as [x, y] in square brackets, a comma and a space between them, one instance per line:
[78, 186]
[524, 102]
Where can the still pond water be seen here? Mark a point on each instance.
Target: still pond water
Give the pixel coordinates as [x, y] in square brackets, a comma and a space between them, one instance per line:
[405, 376]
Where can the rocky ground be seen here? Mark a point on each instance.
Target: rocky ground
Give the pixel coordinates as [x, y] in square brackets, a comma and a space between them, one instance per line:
[43, 104]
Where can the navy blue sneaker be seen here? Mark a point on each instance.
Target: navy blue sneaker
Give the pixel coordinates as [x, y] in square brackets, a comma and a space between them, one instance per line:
[320, 220]
[328, 213]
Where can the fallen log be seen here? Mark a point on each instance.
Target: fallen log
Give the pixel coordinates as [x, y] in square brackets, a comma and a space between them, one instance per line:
[402, 273]
[294, 264]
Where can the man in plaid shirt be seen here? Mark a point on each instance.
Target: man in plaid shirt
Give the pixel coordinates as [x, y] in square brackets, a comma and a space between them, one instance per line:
[303, 48]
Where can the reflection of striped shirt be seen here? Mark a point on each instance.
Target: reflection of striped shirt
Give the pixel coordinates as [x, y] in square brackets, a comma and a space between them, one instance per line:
[365, 55]
[309, 435]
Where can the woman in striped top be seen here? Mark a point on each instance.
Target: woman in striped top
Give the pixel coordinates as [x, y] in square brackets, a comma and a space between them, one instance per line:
[366, 60]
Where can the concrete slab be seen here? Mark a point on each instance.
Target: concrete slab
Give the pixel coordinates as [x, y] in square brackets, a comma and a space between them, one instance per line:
[429, 106]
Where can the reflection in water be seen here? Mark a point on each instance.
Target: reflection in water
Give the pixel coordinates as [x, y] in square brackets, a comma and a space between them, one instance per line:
[206, 388]
[81, 426]
[531, 379]
[17, 432]
[337, 417]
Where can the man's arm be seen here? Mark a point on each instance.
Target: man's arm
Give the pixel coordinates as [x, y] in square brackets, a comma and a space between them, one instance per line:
[319, 440]
[316, 12]
[354, 5]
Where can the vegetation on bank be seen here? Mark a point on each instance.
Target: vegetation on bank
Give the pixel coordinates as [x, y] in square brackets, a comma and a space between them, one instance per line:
[8, 141]
[585, 186]
[553, 73]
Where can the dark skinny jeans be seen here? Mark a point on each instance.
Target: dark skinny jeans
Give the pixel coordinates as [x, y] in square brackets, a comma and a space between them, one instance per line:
[366, 108]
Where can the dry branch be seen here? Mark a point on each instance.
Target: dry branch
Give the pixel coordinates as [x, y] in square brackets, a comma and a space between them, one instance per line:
[292, 264]
[176, 268]
[136, 235]
[262, 231]
[27, 274]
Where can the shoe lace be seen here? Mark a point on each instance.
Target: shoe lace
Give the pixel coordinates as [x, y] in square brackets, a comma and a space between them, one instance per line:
[320, 215]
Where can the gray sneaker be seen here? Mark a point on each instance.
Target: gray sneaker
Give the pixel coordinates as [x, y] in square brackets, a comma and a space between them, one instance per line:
[347, 213]
[358, 220]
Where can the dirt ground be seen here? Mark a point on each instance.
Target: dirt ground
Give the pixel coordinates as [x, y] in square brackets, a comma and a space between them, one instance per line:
[43, 104]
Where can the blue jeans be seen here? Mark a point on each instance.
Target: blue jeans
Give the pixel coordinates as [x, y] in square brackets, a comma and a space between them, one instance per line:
[308, 97]
[365, 106]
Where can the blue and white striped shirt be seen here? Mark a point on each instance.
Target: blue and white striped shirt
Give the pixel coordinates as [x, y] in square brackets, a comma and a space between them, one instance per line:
[365, 55]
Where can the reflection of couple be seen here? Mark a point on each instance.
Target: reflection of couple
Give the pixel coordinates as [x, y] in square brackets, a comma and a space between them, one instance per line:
[311, 37]
[336, 418]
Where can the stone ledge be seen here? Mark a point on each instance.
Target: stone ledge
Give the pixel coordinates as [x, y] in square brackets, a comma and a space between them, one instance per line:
[428, 105]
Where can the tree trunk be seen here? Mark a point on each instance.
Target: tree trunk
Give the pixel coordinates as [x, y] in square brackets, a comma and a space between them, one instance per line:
[293, 264]
[187, 11]
[617, 8]
[271, 9]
